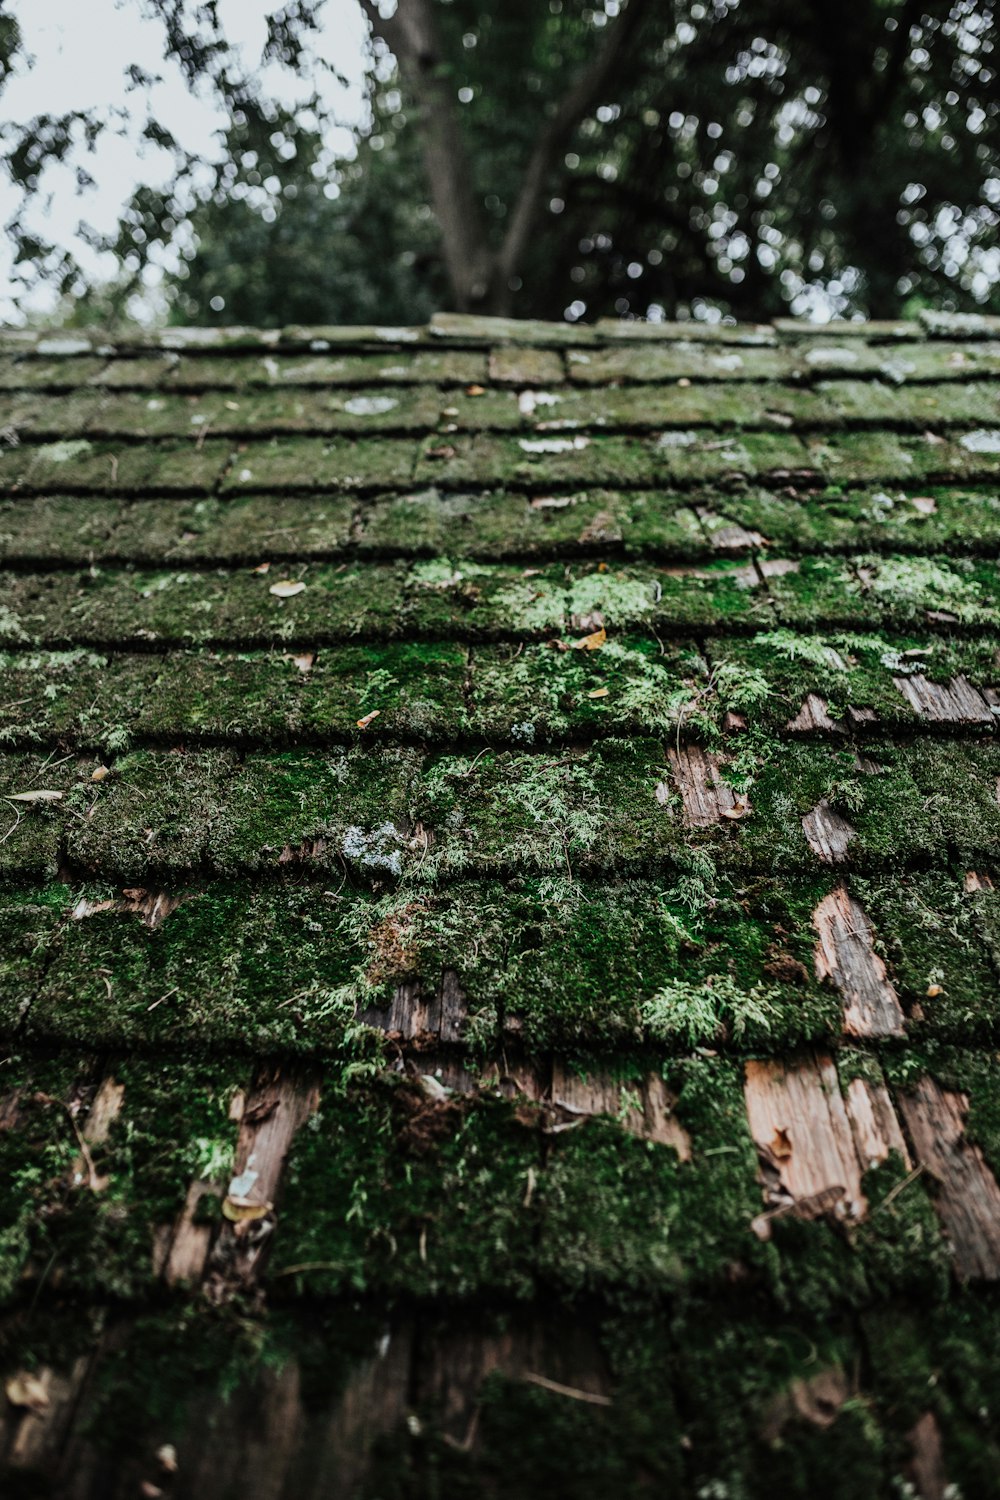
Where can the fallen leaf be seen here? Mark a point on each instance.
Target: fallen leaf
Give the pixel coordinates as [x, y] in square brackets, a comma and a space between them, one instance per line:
[924, 504]
[599, 693]
[552, 502]
[684, 382]
[933, 990]
[261, 568]
[475, 390]
[34, 796]
[286, 589]
[166, 1457]
[602, 567]
[592, 642]
[364, 723]
[27, 1391]
[99, 773]
[242, 1211]
[740, 810]
[781, 1145]
[761, 1226]
[149, 1491]
[305, 661]
[531, 572]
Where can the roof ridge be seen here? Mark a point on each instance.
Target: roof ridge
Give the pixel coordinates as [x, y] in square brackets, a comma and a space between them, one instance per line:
[475, 330]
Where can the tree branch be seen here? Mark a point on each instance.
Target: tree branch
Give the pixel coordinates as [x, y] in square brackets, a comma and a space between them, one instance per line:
[582, 95]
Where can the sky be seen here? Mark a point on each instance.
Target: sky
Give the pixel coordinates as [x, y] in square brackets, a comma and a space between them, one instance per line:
[80, 51]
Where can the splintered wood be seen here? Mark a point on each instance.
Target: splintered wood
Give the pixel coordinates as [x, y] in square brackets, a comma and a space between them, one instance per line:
[413, 1015]
[812, 718]
[827, 833]
[956, 702]
[706, 797]
[966, 1192]
[644, 1108]
[154, 907]
[926, 1469]
[269, 1115]
[845, 954]
[805, 1144]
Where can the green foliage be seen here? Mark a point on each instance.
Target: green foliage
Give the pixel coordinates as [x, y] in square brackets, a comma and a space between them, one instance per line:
[734, 159]
[696, 1013]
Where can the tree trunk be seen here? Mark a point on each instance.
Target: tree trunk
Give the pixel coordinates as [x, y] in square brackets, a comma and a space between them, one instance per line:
[482, 276]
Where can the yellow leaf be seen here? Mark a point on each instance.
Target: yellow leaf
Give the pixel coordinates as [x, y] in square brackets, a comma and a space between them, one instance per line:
[286, 589]
[592, 642]
[475, 390]
[166, 1457]
[261, 568]
[242, 1211]
[364, 723]
[599, 693]
[28, 1391]
[100, 772]
[933, 990]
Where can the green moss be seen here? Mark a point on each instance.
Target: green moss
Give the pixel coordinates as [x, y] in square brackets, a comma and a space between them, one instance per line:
[53, 1226]
[312, 463]
[227, 968]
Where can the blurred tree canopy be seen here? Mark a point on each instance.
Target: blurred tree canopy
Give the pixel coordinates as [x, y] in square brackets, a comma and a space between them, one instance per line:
[553, 158]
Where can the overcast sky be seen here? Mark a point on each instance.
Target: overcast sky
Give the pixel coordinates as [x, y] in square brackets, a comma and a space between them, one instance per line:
[80, 50]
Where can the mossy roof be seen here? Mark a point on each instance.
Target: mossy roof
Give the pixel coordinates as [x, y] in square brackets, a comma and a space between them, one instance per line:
[501, 880]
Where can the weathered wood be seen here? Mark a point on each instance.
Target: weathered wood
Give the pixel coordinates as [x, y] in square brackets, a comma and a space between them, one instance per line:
[827, 833]
[419, 1018]
[956, 702]
[31, 1434]
[643, 1108]
[707, 798]
[812, 718]
[874, 1123]
[728, 536]
[845, 954]
[278, 1105]
[967, 1193]
[566, 1360]
[154, 907]
[181, 1253]
[805, 1145]
[926, 1470]
[276, 1438]
[105, 1107]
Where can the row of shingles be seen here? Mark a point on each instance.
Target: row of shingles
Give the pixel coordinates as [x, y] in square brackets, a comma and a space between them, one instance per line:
[442, 696]
[384, 814]
[816, 1135]
[568, 689]
[683, 458]
[166, 414]
[308, 606]
[494, 526]
[164, 397]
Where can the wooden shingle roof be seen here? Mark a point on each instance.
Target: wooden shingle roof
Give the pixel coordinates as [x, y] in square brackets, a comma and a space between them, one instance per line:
[500, 898]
